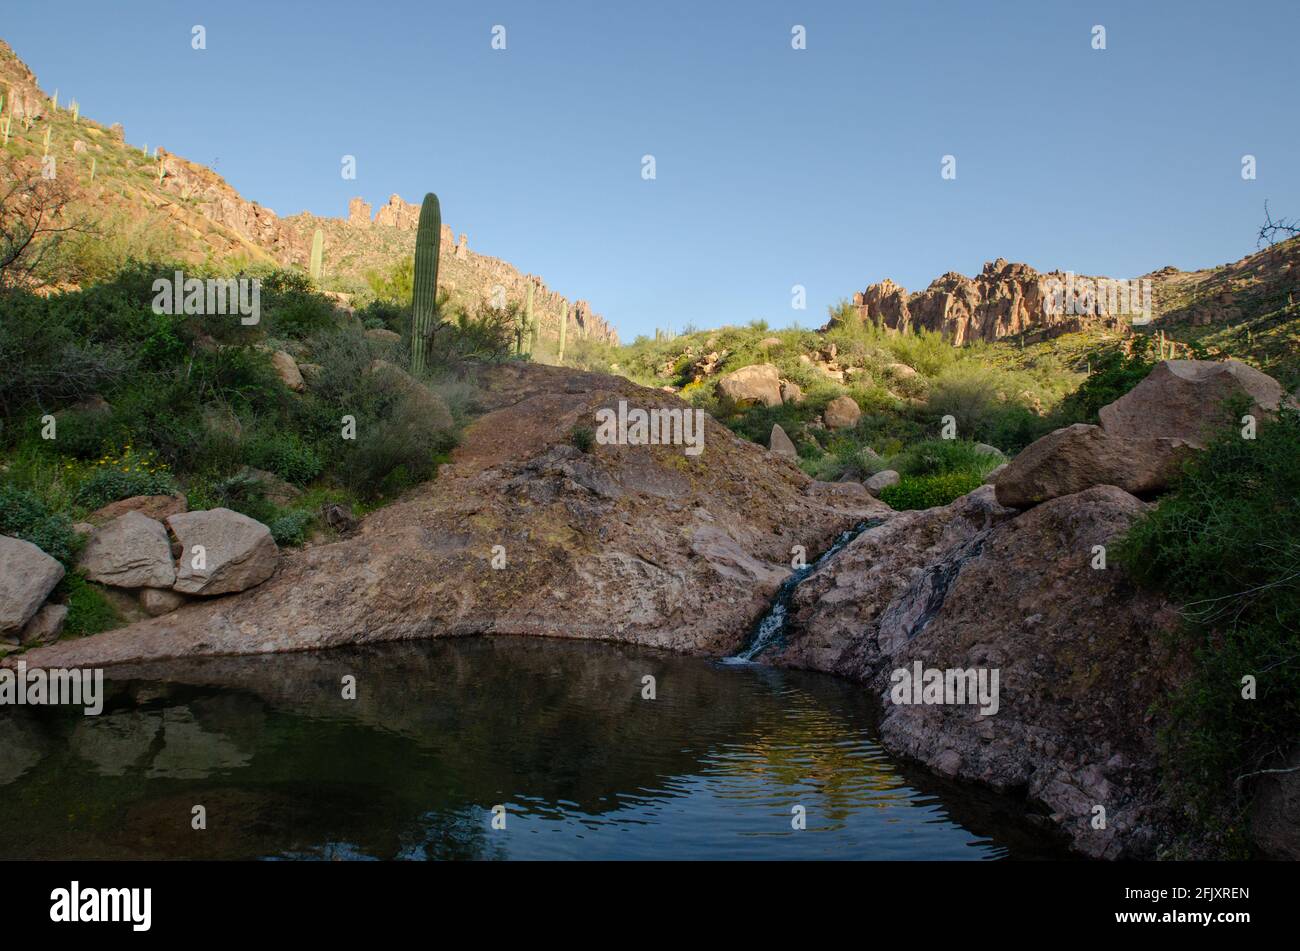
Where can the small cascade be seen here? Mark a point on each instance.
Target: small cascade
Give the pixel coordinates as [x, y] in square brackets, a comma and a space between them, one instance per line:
[771, 626]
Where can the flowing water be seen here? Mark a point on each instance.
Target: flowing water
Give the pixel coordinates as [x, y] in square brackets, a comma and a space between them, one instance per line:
[440, 732]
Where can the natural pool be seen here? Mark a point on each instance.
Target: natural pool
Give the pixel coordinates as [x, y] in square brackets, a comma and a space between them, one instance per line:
[442, 731]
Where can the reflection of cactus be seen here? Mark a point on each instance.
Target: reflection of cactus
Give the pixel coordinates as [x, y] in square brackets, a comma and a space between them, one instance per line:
[424, 295]
[564, 330]
[317, 251]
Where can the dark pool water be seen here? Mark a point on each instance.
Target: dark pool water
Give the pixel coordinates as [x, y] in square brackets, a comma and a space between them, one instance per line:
[442, 731]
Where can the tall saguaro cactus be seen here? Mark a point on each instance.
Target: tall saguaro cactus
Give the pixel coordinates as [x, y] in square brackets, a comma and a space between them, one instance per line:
[564, 330]
[424, 295]
[317, 252]
[529, 326]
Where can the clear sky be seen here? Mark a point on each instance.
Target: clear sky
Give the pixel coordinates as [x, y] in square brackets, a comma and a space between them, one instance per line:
[775, 166]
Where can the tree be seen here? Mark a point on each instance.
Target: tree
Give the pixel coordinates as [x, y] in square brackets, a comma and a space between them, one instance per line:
[1274, 231]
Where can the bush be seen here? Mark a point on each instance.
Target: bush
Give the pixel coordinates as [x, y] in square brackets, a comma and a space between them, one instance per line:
[89, 612]
[923, 492]
[1226, 545]
[942, 456]
[290, 529]
[122, 477]
[583, 437]
[23, 515]
[969, 393]
[1113, 374]
[285, 454]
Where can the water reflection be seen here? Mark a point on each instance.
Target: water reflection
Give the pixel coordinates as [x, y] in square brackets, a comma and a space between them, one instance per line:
[441, 731]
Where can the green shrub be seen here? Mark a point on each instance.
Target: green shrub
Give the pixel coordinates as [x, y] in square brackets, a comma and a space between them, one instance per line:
[1226, 546]
[583, 437]
[286, 454]
[940, 456]
[134, 476]
[1113, 374]
[290, 529]
[23, 515]
[89, 612]
[923, 492]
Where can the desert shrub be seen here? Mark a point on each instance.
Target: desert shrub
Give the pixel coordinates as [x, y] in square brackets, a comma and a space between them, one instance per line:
[398, 444]
[583, 437]
[292, 307]
[23, 515]
[941, 456]
[286, 454]
[122, 476]
[923, 492]
[1226, 545]
[290, 528]
[968, 392]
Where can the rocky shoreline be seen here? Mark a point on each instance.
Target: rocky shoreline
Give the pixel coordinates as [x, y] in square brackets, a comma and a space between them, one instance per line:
[528, 532]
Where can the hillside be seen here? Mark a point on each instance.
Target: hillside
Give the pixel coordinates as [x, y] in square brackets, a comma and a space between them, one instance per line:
[146, 202]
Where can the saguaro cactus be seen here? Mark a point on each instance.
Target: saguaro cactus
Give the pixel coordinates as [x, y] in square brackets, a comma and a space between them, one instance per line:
[564, 330]
[93, 161]
[424, 295]
[317, 251]
[528, 320]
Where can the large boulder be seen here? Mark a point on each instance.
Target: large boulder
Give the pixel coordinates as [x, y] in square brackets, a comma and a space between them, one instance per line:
[748, 386]
[881, 481]
[45, 626]
[237, 552]
[1078, 457]
[286, 368]
[1184, 399]
[27, 576]
[159, 601]
[842, 413]
[780, 443]
[131, 551]
[153, 506]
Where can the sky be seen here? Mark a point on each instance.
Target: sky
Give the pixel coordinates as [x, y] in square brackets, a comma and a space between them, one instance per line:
[774, 167]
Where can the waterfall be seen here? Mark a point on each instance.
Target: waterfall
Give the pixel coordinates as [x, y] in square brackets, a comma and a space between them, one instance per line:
[771, 626]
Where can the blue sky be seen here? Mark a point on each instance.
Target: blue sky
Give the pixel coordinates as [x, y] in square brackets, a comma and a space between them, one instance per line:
[775, 166]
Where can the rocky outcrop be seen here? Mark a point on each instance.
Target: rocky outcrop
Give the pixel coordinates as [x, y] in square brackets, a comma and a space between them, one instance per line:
[131, 551]
[1079, 654]
[633, 543]
[1145, 436]
[27, 576]
[1004, 299]
[221, 552]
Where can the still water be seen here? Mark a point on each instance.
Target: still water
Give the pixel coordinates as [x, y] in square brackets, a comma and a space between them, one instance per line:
[440, 732]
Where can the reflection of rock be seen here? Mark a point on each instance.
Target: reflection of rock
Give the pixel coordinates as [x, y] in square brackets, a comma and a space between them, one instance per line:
[21, 748]
[191, 752]
[116, 742]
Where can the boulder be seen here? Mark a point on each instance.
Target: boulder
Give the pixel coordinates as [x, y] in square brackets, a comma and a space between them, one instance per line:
[748, 386]
[1184, 399]
[791, 393]
[45, 626]
[842, 413]
[131, 551]
[881, 480]
[239, 552]
[272, 487]
[994, 451]
[27, 576]
[767, 343]
[1275, 812]
[151, 506]
[311, 372]
[384, 335]
[286, 368]
[1078, 457]
[780, 443]
[158, 601]
[992, 475]
[900, 371]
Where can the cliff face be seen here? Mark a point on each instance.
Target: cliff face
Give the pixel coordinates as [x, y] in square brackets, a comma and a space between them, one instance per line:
[195, 215]
[1003, 300]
